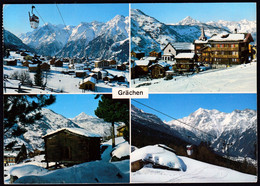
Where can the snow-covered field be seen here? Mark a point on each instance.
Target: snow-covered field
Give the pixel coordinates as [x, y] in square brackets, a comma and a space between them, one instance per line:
[57, 81]
[102, 171]
[191, 171]
[236, 79]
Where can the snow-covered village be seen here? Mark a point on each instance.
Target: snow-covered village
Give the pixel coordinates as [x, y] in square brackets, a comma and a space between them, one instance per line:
[192, 56]
[58, 58]
[52, 148]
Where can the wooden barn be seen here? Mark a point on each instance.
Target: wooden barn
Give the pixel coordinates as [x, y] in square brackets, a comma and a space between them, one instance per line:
[155, 54]
[109, 78]
[71, 146]
[80, 73]
[141, 67]
[52, 61]
[45, 66]
[121, 67]
[137, 55]
[58, 63]
[33, 67]
[10, 62]
[88, 84]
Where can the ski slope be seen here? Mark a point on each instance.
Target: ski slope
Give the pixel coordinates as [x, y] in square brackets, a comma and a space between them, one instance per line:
[238, 79]
[196, 172]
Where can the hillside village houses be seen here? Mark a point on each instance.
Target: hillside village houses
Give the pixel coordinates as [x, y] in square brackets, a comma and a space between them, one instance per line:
[107, 71]
[218, 51]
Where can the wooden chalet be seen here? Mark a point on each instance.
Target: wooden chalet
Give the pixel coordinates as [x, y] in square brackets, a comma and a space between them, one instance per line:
[185, 62]
[102, 64]
[33, 67]
[230, 49]
[45, 66]
[137, 55]
[10, 62]
[88, 84]
[15, 155]
[71, 146]
[80, 73]
[121, 67]
[52, 61]
[27, 63]
[109, 78]
[158, 70]
[112, 62]
[155, 54]
[97, 71]
[58, 63]
[141, 67]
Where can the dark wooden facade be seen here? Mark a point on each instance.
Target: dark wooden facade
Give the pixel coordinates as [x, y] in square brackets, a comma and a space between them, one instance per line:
[58, 63]
[68, 147]
[155, 54]
[157, 71]
[137, 55]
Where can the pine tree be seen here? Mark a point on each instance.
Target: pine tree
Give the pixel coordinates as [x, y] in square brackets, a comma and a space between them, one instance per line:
[23, 110]
[113, 110]
[38, 77]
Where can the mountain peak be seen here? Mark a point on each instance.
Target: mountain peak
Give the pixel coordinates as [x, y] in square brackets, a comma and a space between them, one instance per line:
[81, 116]
[188, 21]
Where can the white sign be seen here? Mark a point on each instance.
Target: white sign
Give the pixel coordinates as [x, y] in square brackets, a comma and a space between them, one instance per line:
[122, 93]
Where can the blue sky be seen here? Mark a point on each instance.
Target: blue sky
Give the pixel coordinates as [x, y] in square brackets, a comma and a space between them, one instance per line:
[16, 19]
[204, 12]
[181, 105]
[71, 105]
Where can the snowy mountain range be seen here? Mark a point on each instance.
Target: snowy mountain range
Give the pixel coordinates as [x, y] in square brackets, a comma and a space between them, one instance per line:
[13, 42]
[93, 40]
[52, 121]
[147, 33]
[238, 128]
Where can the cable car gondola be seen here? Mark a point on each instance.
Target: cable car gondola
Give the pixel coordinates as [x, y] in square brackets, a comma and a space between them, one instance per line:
[34, 20]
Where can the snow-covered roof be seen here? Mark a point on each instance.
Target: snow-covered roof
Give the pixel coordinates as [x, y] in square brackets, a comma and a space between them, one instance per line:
[183, 46]
[11, 153]
[161, 63]
[185, 56]
[79, 71]
[78, 131]
[96, 69]
[110, 77]
[228, 37]
[103, 72]
[200, 41]
[91, 79]
[141, 62]
[33, 65]
[167, 54]
[150, 58]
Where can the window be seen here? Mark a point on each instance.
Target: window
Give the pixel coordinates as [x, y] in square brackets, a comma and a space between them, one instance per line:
[169, 50]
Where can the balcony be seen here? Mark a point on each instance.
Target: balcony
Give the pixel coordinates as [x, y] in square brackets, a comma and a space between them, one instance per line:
[225, 49]
[225, 56]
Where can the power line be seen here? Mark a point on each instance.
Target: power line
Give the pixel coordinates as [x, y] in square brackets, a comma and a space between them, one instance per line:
[175, 119]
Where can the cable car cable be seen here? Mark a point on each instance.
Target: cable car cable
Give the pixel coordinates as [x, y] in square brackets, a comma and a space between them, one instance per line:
[62, 19]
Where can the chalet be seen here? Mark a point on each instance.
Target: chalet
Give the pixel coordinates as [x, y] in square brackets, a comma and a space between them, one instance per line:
[171, 50]
[158, 70]
[71, 146]
[33, 67]
[109, 78]
[27, 63]
[121, 67]
[185, 62]
[58, 63]
[45, 66]
[102, 64]
[97, 71]
[155, 54]
[120, 130]
[10, 62]
[88, 84]
[103, 74]
[15, 155]
[141, 67]
[202, 48]
[93, 75]
[112, 62]
[151, 59]
[79, 66]
[52, 61]
[119, 78]
[80, 73]
[230, 49]
[137, 55]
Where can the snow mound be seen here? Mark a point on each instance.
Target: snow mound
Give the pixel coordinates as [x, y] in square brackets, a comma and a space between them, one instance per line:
[91, 172]
[121, 150]
[23, 170]
[158, 155]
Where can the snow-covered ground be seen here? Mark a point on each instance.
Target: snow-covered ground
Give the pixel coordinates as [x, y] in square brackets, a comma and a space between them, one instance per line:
[102, 171]
[239, 79]
[192, 171]
[57, 81]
